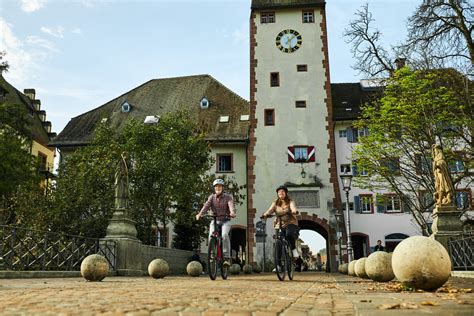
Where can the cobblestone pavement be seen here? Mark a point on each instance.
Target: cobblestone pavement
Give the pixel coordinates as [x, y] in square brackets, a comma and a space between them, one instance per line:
[310, 293]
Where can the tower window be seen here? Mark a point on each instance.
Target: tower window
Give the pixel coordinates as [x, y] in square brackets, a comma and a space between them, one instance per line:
[269, 117]
[224, 162]
[300, 104]
[274, 79]
[308, 16]
[204, 103]
[267, 17]
[301, 68]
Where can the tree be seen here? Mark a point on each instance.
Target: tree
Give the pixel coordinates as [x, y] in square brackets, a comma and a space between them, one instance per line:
[439, 36]
[417, 109]
[17, 166]
[443, 31]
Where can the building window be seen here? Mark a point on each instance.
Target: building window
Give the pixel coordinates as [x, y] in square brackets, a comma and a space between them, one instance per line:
[224, 163]
[274, 79]
[391, 165]
[300, 104]
[345, 168]
[267, 17]
[308, 16]
[301, 154]
[351, 206]
[342, 133]
[389, 203]
[269, 117]
[353, 134]
[456, 166]
[359, 171]
[363, 203]
[204, 103]
[161, 237]
[426, 200]
[463, 199]
[423, 164]
[126, 107]
[42, 162]
[301, 68]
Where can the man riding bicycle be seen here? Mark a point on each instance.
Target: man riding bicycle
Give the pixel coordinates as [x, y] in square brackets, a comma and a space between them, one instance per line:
[222, 204]
[285, 208]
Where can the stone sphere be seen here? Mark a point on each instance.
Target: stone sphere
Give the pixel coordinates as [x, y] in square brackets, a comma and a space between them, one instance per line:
[194, 268]
[256, 268]
[344, 268]
[247, 269]
[359, 268]
[94, 268]
[378, 266]
[234, 269]
[350, 268]
[158, 269]
[421, 262]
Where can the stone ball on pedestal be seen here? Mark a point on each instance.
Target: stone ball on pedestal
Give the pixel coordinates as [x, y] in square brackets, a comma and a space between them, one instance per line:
[234, 269]
[359, 268]
[94, 268]
[344, 268]
[247, 269]
[378, 266]
[421, 262]
[194, 268]
[158, 268]
[256, 268]
[350, 268]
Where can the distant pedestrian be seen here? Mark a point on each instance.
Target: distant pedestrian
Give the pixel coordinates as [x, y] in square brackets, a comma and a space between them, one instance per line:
[379, 246]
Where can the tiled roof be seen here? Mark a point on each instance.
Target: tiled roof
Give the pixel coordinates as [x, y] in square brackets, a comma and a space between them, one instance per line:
[160, 96]
[15, 97]
[279, 4]
[347, 99]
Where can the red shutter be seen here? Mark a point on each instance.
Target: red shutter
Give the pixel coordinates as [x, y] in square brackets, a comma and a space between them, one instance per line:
[291, 154]
[311, 154]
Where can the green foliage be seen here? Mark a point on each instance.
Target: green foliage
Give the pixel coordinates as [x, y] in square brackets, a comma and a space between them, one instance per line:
[17, 166]
[417, 110]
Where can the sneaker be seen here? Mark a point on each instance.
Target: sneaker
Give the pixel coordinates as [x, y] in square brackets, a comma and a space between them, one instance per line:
[226, 263]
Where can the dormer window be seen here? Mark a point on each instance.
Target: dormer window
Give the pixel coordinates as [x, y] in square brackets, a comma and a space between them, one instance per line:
[126, 107]
[204, 103]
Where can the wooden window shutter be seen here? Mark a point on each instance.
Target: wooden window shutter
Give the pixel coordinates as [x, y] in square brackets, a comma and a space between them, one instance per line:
[311, 154]
[357, 204]
[291, 154]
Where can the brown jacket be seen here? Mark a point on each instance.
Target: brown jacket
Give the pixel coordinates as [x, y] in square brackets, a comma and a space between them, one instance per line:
[287, 217]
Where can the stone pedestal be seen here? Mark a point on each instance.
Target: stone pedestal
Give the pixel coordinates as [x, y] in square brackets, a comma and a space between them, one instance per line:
[446, 223]
[122, 230]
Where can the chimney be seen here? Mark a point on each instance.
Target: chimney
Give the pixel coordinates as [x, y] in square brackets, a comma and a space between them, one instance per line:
[30, 93]
[400, 62]
[47, 126]
[36, 104]
[41, 115]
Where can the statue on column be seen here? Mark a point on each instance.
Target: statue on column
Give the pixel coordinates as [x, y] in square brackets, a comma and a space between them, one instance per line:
[444, 188]
[122, 191]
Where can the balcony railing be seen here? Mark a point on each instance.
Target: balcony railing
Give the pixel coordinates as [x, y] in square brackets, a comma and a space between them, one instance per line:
[461, 249]
[34, 250]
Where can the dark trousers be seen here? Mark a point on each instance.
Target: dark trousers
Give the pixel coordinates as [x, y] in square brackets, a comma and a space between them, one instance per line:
[291, 234]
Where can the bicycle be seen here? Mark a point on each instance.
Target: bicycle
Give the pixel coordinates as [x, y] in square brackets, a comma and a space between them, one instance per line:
[215, 257]
[282, 251]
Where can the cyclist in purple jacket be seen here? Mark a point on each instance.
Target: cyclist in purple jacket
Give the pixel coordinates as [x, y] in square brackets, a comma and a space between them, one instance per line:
[222, 204]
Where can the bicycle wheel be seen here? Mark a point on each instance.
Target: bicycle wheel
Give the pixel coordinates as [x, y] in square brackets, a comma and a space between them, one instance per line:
[290, 263]
[212, 258]
[280, 260]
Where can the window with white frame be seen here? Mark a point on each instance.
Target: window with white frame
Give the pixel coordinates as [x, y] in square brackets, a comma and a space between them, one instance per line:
[391, 203]
[301, 154]
[456, 166]
[342, 133]
[363, 203]
[308, 16]
[267, 17]
[345, 168]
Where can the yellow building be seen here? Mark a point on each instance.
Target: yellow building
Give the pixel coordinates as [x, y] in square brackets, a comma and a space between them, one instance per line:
[39, 127]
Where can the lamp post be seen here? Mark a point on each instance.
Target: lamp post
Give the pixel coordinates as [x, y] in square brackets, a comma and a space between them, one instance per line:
[346, 179]
[339, 218]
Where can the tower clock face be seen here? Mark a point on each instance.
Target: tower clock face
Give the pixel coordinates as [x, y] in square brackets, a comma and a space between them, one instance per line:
[288, 41]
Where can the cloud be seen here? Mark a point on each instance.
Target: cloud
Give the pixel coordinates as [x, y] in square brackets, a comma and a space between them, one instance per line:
[241, 35]
[32, 5]
[56, 32]
[23, 56]
[76, 31]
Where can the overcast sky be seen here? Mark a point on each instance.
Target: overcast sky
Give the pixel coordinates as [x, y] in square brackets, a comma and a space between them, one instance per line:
[80, 54]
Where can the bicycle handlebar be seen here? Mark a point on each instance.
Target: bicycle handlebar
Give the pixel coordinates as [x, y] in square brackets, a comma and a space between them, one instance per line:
[270, 216]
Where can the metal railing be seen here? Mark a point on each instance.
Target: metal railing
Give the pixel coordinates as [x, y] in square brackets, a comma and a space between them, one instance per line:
[35, 250]
[461, 249]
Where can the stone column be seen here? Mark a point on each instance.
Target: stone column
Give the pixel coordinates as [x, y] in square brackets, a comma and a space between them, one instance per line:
[446, 223]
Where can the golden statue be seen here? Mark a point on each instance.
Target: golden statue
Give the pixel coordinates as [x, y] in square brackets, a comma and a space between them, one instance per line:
[122, 192]
[444, 189]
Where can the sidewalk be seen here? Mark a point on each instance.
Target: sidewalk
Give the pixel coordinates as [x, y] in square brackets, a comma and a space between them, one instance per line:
[310, 293]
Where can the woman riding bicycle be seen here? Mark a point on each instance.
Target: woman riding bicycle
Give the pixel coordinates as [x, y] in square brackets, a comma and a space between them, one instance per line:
[222, 204]
[285, 208]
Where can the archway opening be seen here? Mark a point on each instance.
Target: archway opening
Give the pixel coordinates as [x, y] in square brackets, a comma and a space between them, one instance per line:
[238, 244]
[315, 246]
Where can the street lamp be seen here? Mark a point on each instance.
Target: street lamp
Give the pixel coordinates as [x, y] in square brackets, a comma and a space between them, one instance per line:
[346, 179]
[339, 219]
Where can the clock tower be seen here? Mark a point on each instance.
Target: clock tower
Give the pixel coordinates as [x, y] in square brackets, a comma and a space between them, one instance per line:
[291, 138]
